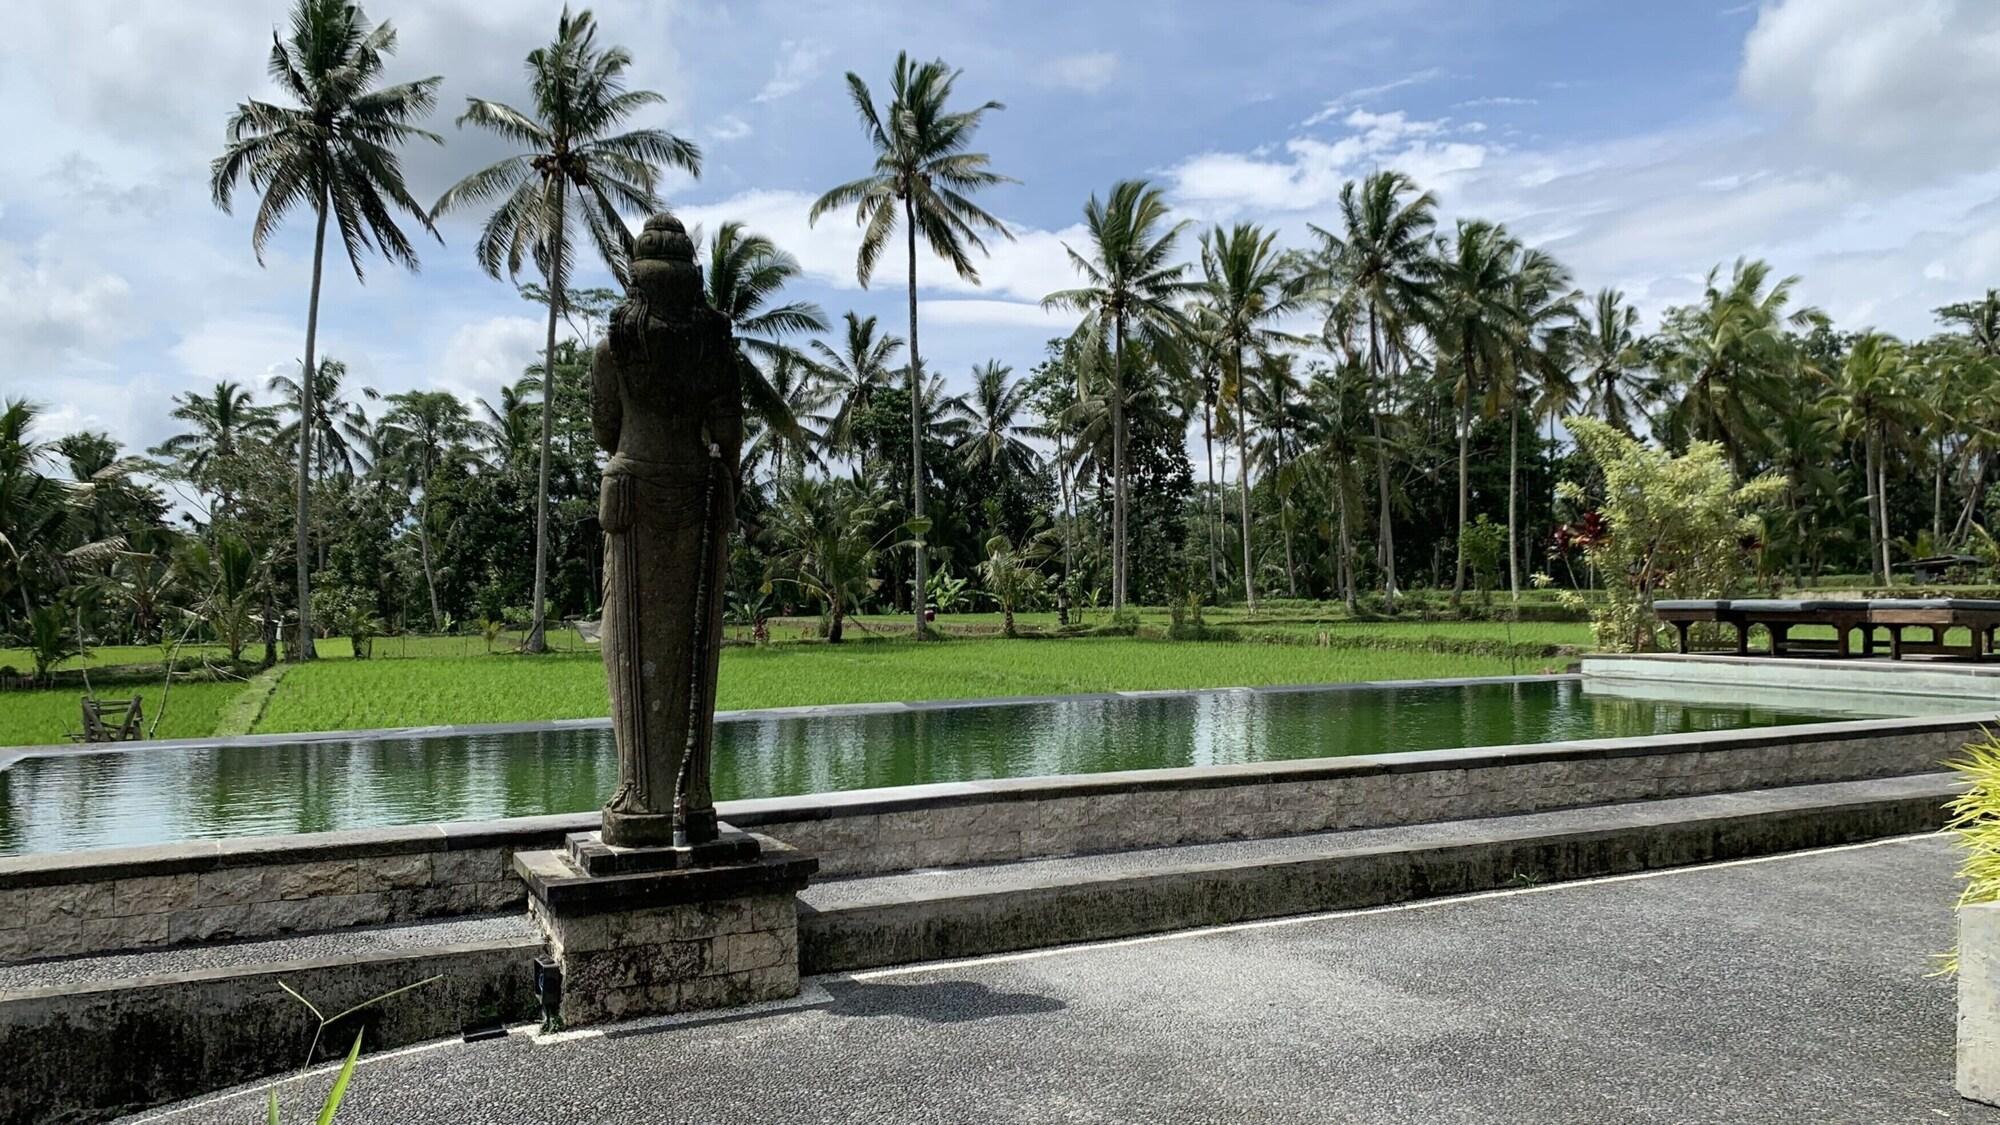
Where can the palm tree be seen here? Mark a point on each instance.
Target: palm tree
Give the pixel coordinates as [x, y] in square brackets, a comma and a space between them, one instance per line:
[1382, 254]
[420, 430]
[1537, 371]
[1248, 282]
[851, 375]
[509, 428]
[1279, 410]
[1730, 354]
[798, 390]
[821, 530]
[579, 98]
[923, 171]
[1607, 347]
[335, 152]
[224, 420]
[339, 427]
[745, 272]
[1474, 317]
[1337, 429]
[995, 438]
[1132, 282]
[1874, 398]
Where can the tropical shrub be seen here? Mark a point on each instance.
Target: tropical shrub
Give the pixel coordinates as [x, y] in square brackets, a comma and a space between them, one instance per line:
[1673, 527]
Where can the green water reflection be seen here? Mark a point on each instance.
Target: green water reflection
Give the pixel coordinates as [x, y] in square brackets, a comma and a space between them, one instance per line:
[151, 796]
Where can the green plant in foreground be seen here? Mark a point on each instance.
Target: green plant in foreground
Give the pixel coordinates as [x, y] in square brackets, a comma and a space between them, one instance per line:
[1975, 822]
[335, 1095]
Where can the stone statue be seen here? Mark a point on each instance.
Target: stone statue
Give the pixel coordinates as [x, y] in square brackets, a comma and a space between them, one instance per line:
[667, 403]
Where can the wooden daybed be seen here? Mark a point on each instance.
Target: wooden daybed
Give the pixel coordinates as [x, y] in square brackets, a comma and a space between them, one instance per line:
[1893, 615]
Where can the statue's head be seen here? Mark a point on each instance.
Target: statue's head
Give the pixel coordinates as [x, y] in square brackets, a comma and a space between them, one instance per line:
[663, 269]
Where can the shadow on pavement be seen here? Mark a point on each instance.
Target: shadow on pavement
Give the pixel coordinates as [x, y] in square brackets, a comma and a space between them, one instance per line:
[946, 1001]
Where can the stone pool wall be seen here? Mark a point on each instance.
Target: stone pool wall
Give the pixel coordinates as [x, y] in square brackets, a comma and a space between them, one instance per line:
[150, 897]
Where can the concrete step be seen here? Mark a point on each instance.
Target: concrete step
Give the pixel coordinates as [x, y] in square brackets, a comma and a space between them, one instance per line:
[98, 1036]
[963, 912]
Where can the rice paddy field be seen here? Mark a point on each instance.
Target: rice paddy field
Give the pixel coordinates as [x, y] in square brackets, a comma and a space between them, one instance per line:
[421, 681]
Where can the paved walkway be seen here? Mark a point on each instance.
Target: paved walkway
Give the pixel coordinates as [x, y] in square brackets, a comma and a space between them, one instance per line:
[1783, 990]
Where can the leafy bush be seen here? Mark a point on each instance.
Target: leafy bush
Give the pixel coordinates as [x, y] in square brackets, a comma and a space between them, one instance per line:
[1675, 527]
[1975, 821]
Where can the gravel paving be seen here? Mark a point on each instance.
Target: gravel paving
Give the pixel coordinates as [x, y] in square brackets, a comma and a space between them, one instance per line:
[1784, 990]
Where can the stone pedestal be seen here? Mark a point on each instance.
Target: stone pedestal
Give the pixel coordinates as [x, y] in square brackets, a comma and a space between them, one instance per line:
[649, 931]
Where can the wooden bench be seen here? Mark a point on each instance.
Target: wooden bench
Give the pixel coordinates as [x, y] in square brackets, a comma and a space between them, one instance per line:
[1939, 615]
[1777, 615]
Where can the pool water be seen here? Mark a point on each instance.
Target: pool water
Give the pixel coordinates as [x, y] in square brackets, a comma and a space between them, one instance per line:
[155, 795]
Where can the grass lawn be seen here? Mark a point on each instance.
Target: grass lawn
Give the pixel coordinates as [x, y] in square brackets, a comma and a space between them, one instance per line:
[34, 718]
[335, 695]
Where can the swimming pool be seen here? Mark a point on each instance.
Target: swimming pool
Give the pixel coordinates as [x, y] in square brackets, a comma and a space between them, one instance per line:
[66, 799]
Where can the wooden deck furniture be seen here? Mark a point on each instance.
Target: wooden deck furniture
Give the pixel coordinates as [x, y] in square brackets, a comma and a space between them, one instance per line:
[1779, 615]
[112, 720]
[1683, 612]
[1939, 615]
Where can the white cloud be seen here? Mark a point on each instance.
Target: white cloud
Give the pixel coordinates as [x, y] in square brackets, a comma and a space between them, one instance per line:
[1502, 102]
[1087, 73]
[729, 127]
[1914, 81]
[798, 63]
[1308, 172]
[1364, 94]
[1030, 266]
[57, 310]
[484, 356]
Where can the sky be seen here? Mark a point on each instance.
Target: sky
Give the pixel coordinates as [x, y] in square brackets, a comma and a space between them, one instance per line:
[1850, 142]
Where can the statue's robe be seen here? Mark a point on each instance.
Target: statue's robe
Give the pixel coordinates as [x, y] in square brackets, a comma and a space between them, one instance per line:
[667, 404]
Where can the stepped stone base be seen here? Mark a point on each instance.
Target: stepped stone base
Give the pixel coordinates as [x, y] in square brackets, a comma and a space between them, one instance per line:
[651, 931]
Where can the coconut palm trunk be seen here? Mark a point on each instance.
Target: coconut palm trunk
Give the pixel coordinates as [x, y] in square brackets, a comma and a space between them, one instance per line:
[1243, 482]
[1466, 391]
[921, 596]
[1874, 505]
[1118, 499]
[424, 544]
[1513, 502]
[1348, 581]
[302, 649]
[1385, 546]
[537, 639]
[1880, 461]
[1210, 504]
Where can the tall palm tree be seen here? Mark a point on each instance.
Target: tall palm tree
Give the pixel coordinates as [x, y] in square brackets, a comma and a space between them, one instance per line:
[1874, 397]
[1475, 315]
[418, 433]
[509, 428]
[1131, 284]
[1248, 283]
[340, 427]
[799, 392]
[223, 421]
[745, 273]
[1382, 253]
[922, 177]
[1536, 371]
[334, 151]
[1730, 353]
[995, 438]
[1337, 427]
[579, 99]
[1613, 369]
[1279, 409]
[851, 375]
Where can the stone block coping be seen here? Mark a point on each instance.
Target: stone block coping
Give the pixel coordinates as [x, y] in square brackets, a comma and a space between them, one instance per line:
[52, 868]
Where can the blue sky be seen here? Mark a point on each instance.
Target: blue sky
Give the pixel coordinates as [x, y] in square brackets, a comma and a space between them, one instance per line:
[1852, 142]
